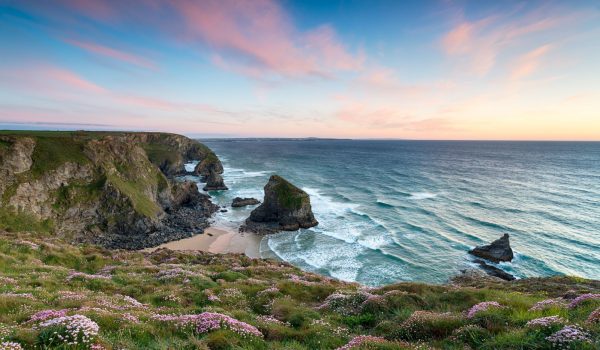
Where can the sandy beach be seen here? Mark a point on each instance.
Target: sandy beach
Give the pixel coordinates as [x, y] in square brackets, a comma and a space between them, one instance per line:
[218, 240]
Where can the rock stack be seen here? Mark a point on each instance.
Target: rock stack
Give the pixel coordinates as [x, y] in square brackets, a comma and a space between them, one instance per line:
[285, 208]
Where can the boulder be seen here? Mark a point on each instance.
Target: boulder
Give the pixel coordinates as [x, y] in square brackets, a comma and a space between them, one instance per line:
[498, 250]
[285, 208]
[242, 202]
[214, 182]
[494, 271]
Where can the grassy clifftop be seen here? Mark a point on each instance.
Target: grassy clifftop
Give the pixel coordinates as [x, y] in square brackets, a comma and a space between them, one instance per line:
[175, 300]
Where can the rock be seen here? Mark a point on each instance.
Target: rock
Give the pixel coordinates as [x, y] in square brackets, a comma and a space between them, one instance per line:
[470, 277]
[208, 165]
[223, 210]
[498, 250]
[214, 182]
[242, 202]
[285, 207]
[186, 194]
[494, 271]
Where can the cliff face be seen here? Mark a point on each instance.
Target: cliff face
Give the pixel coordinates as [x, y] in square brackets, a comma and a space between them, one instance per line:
[114, 189]
[285, 207]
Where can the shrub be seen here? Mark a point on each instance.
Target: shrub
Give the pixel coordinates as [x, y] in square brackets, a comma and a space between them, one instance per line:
[423, 325]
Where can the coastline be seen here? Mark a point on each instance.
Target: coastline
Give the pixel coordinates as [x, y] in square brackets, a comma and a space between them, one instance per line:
[217, 239]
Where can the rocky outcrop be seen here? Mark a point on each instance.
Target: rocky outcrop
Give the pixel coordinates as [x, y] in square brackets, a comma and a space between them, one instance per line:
[499, 250]
[494, 271]
[214, 182]
[285, 207]
[102, 188]
[210, 170]
[242, 202]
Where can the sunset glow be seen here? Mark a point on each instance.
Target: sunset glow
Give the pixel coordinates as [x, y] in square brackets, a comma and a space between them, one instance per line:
[383, 69]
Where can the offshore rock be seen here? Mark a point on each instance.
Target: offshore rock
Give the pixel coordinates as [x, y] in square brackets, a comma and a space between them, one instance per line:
[242, 202]
[285, 208]
[494, 271]
[214, 182]
[498, 250]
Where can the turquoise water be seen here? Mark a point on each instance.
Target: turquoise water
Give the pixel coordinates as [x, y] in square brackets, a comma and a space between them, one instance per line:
[410, 210]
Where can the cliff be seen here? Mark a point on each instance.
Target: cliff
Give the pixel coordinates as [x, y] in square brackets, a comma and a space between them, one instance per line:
[115, 189]
[285, 207]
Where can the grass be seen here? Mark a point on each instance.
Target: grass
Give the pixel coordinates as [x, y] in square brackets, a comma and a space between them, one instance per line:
[52, 152]
[134, 190]
[288, 195]
[292, 309]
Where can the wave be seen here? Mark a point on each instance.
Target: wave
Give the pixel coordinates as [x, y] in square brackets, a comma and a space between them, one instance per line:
[383, 204]
[191, 166]
[422, 195]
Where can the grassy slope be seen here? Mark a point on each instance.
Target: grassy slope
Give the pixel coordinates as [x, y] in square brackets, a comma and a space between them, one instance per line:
[244, 289]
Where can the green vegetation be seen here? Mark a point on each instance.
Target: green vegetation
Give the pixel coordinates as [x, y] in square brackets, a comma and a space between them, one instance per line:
[162, 155]
[288, 195]
[135, 191]
[13, 220]
[132, 297]
[51, 152]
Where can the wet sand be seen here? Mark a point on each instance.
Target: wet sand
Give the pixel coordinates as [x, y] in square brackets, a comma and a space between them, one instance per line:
[218, 240]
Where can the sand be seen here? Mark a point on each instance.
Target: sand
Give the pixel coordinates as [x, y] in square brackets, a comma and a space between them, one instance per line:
[218, 240]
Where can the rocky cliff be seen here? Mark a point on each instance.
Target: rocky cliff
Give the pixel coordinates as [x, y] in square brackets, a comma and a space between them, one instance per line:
[115, 189]
[285, 207]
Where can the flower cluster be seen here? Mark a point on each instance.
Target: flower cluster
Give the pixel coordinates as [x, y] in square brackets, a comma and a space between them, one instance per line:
[175, 273]
[420, 317]
[77, 274]
[346, 304]
[28, 244]
[9, 345]
[567, 335]
[131, 318]
[360, 340]
[209, 321]
[7, 280]
[18, 295]
[4, 331]
[482, 307]
[544, 322]
[594, 316]
[271, 319]
[270, 290]
[47, 314]
[69, 295]
[297, 279]
[548, 303]
[584, 297]
[172, 297]
[74, 329]
[134, 303]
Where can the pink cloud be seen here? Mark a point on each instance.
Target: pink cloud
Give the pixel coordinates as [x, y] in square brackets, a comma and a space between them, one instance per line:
[69, 79]
[477, 44]
[113, 53]
[529, 63]
[260, 35]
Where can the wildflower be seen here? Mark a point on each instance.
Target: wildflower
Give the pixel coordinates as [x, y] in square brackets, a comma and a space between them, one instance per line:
[568, 335]
[131, 318]
[69, 295]
[75, 274]
[482, 307]
[584, 297]
[7, 280]
[76, 328]
[18, 295]
[47, 315]
[209, 321]
[360, 340]
[270, 290]
[544, 322]
[594, 316]
[133, 302]
[271, 319]
[9, 345]
[548, 303]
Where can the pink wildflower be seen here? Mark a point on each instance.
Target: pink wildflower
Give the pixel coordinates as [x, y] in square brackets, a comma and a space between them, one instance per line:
[568, 335]
[548, 303]
[594, 316]
[9, 345]
[482, 307]
[47, 314]
[584, 297]
[209, 321]
[77, 328]
[360, 340]
[543, 322]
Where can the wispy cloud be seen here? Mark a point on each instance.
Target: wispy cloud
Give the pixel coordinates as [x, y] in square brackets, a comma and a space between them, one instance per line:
[113, 53]
[529, 62]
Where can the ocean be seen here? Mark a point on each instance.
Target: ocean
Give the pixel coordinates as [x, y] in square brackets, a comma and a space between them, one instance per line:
[393, 211]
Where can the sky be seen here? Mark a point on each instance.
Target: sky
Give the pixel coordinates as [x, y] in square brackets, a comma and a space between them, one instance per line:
[444, 69]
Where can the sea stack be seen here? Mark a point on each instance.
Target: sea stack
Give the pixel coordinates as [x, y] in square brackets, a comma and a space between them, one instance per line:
[499, 250]
[210, 170]
[284, 208]
[242, 202]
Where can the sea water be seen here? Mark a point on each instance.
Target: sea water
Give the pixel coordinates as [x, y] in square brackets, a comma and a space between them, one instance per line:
[410, 210]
